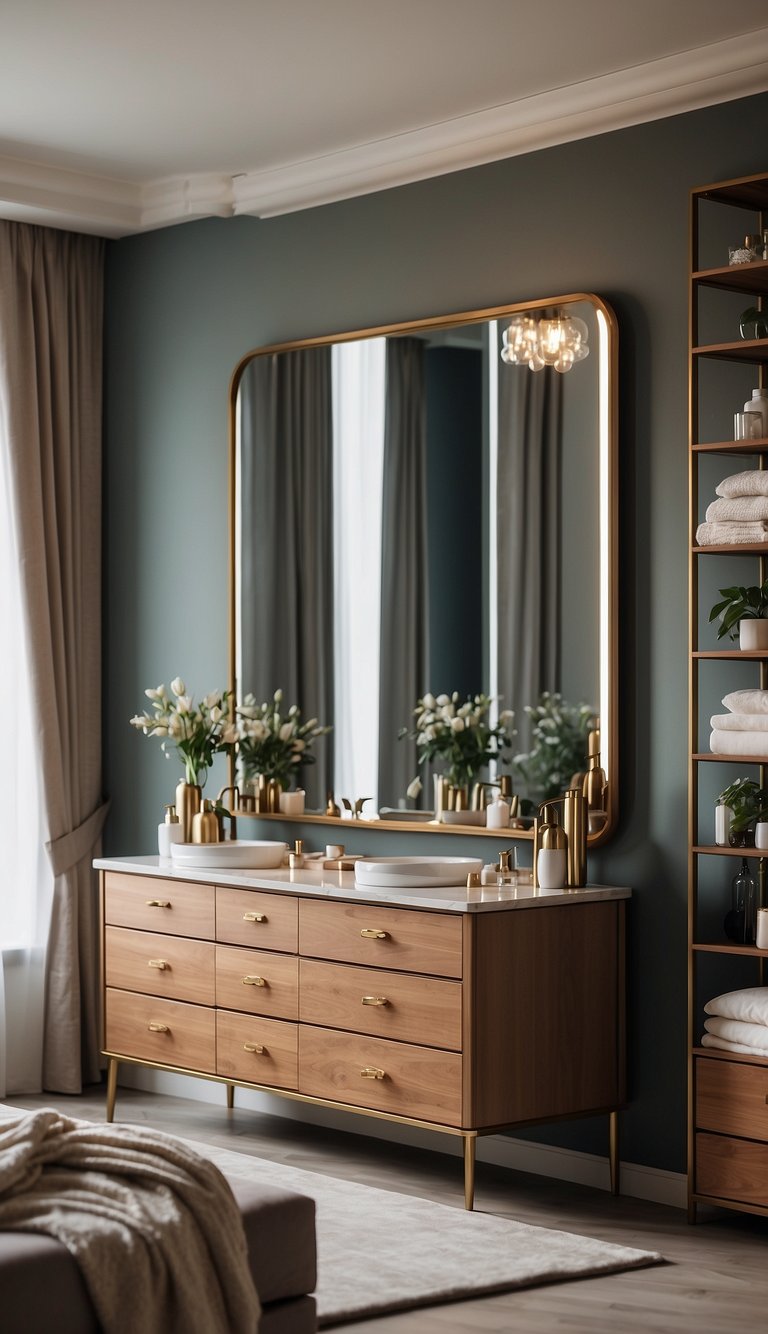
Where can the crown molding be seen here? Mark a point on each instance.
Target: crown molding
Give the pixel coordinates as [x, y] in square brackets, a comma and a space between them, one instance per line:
[704, 76]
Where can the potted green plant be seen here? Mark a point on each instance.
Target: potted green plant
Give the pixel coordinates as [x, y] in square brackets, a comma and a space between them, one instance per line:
[559, 749]
[747, 803]
[742, 615]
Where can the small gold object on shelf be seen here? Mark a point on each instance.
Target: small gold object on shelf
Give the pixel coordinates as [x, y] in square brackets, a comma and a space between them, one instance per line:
[331, 809]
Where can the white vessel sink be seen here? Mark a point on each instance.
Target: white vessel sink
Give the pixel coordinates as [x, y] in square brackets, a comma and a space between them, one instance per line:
[241, 854]
[415, 872]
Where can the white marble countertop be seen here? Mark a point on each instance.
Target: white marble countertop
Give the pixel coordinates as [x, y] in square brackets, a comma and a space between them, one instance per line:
[316, 882]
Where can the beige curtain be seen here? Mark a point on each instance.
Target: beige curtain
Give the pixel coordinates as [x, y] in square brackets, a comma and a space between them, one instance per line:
[51, 286]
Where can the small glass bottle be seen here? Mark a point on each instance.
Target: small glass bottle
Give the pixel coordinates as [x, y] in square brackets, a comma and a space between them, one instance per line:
[506, 875]
[741, 921]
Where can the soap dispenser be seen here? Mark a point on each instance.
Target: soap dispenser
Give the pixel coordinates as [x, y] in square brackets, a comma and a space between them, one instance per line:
[170, 831]
[497, 813]
[551, 858]
[205, 825]
[595, 782]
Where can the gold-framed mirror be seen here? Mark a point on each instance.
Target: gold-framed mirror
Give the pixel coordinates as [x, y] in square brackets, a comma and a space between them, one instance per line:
[407, 507]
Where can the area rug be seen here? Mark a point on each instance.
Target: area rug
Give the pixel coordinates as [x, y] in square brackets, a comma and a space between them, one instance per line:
[380, 1252]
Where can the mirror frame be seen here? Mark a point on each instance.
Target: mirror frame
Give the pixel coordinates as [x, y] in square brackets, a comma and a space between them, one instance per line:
[607, 353]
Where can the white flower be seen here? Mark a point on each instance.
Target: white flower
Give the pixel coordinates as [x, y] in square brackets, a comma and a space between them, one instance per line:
[442, 700]
[184, 703]
[414, 788]
[151, 693]
[299, 746]
[294, 709]
[286, 732]
[178, 687]
[429, 701]
[159, 730]
[458, 724]
[212, 700]
[229, 734]
[506, 717]
[278, 695]
[216, 714]
[465, 710]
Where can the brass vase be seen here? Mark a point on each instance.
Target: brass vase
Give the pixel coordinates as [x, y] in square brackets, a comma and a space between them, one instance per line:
[188, 802]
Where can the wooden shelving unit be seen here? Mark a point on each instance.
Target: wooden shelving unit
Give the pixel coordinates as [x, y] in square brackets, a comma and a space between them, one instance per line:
[727, 1092]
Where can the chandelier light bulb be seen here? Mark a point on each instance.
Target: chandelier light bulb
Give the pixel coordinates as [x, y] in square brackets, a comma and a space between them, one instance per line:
[559, 341]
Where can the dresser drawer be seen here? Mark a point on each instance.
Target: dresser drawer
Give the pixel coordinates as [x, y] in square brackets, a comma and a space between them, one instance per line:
[731, 1169]
[160, 965]
[732, 1098]
[165, 1031]
[257, 981]
[417, 1082]
[151, 904]
[249, 917]
[418, 942]
[405, 1007]
[256, 1050]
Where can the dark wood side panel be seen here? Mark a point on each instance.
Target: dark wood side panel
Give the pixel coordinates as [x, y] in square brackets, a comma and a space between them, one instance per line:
[545, 1029]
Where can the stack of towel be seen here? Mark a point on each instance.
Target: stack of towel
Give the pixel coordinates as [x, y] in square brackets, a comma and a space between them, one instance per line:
[744, 729]
[741, 513]
[738, 1022]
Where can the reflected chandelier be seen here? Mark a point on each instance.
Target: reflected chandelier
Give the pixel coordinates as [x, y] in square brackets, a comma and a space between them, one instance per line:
[557, 340]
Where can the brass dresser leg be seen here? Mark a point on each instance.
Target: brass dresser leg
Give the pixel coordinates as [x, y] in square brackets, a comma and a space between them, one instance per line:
[470, 1142]
[112, 1064]
[613, 1153]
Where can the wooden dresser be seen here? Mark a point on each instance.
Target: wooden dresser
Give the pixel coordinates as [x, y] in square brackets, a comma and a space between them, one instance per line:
[464, 1011]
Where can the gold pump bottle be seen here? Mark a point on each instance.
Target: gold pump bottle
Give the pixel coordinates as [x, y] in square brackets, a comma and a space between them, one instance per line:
[205, 825]
[595, 782]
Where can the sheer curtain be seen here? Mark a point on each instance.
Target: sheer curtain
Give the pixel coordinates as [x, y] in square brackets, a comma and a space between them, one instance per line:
[52, 810]
[358, 373]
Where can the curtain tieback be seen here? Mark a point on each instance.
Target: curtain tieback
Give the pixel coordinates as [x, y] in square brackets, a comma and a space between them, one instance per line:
[66, 851]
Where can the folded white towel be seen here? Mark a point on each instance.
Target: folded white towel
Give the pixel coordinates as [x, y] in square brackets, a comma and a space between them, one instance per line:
[746, 701]
[730, 534]
[739, 722]
[739, 743]
[723, 1044]
[750, 483]
[750, 1005]
[733, 1030]
[738, 509]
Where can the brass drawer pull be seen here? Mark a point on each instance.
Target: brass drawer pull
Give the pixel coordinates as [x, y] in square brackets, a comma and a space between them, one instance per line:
[158, 903]
[158, 963]
[254, 1047]
[157, 1028]
[375, 1000]
[371, 1072]
[254, 917]
[370, 933]
[253, 981]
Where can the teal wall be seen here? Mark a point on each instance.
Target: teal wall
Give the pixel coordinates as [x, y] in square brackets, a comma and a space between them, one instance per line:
[608, 215]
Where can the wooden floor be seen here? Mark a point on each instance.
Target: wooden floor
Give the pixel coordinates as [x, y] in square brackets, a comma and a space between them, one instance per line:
[716, 1280]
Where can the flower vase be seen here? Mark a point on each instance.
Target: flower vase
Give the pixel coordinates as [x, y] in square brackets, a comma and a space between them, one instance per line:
[188, 802]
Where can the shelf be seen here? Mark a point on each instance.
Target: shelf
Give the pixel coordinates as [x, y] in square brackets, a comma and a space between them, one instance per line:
[707, 757]
[734, 447]
[743, 192]
[746, 349]
[402, 826]
[728, 947]
[714, 850]
[718, 1054]
[751, 278]
[737, 549]
[733, 654]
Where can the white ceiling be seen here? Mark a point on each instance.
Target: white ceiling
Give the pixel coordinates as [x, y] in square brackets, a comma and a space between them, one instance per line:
[116, 118]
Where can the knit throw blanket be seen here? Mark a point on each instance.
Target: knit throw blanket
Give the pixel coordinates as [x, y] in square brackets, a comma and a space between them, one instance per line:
[154, 1227]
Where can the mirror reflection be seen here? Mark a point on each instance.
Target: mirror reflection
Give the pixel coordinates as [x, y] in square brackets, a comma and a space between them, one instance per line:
[421, 525]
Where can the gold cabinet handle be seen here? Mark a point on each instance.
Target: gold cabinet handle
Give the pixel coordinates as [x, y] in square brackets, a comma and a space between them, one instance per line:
[370, 933]
[254, 981]
[255, 1047]
[158, 903]
[375, 1000]
[157, 1028]
[372, 1072]
[158, 963]
[254, 917]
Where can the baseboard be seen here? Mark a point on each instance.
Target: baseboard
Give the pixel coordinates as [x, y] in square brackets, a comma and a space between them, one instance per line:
[549, 1160]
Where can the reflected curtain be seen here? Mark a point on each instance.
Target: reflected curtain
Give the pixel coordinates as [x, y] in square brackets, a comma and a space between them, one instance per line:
[50, 436]
[404, 571]
[286, 462]
[528, 539]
